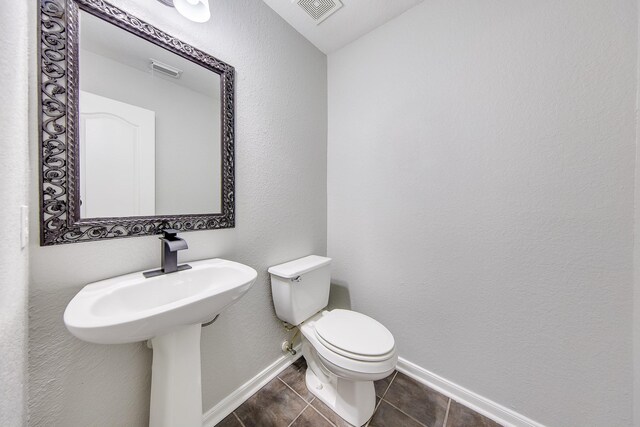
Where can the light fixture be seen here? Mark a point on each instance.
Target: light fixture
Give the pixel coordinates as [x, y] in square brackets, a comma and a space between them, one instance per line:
[194, 10]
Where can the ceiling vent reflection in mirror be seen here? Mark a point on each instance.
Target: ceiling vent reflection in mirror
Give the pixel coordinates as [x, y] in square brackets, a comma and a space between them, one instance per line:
[165, 69]
[319, 10]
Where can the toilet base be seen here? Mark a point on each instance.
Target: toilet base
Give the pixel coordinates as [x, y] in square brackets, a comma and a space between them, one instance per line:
[354, 401]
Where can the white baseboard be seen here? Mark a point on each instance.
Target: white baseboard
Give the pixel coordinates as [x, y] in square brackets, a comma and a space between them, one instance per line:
[482, 405]
[216, 414]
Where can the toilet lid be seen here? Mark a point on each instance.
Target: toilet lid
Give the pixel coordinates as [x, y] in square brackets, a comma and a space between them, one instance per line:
[355, 333]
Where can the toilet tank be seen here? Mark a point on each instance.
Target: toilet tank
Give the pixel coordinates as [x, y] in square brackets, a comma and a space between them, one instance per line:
[300, 288]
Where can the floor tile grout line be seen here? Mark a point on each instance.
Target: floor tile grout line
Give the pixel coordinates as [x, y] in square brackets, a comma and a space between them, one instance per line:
[374, 411]
[368, 423]
[381, 397]
[298, 416]
[308, 403]
[394, 406]
[238, 418]
[285, 370]
[446, 415]
[313, 398]
[321, 414]
[297, 394]
[372, 415]
[389, 386]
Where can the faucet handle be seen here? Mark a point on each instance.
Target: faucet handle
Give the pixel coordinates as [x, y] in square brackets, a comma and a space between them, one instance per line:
[169, 233]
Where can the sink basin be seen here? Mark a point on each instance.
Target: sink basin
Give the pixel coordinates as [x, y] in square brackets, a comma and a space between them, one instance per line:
[167, 310]
[132, 308]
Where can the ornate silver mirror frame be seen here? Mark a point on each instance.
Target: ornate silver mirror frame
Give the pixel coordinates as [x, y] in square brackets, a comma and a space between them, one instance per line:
[59, 168]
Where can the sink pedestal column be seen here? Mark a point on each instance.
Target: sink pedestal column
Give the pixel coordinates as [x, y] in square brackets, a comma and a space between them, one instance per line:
[176, 390]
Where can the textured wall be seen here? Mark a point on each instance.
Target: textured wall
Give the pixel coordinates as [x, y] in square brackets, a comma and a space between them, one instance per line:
[481, 160]
[281, 214]
[636, 257]
[14, 123]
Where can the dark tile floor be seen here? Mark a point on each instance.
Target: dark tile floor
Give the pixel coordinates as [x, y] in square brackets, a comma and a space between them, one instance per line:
[401, 402]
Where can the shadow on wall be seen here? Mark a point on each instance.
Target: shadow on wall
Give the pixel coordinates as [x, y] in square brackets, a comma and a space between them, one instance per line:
[339, 296]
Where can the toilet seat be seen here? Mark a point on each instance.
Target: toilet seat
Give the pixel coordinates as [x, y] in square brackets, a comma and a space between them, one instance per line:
[355, 356]
[355, 335]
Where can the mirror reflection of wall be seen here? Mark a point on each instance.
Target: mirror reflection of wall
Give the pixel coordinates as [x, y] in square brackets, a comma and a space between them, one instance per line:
[149, 127]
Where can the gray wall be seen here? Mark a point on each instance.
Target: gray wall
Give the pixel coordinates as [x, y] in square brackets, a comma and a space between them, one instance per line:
[281, 214]
[14, 137]
[636, 257]
[481, 175]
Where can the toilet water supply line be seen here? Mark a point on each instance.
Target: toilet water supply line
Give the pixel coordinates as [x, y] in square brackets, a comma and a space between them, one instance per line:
[317, 368]
[288, 345]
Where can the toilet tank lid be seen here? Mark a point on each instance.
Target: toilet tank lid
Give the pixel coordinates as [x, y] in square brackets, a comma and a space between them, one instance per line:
[295, 268]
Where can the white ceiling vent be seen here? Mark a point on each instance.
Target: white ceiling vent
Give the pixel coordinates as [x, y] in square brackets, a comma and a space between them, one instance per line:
[319, 10]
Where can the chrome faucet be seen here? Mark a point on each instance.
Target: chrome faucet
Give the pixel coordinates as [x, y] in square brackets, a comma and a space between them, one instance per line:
[171, 244]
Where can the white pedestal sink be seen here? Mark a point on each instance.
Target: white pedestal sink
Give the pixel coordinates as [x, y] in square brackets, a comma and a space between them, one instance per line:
[169, 311]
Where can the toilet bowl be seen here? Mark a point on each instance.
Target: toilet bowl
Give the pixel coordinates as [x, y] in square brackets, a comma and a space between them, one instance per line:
[345, 350]
[341, 371]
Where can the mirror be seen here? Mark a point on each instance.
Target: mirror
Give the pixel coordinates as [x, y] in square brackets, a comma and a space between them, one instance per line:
[136, 128]
[149, 127]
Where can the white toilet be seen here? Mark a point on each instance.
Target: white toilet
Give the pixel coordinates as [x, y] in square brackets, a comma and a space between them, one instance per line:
[345, 351]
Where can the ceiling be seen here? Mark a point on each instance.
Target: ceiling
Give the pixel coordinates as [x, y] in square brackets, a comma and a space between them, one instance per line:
[105, 39]
[353, 20]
